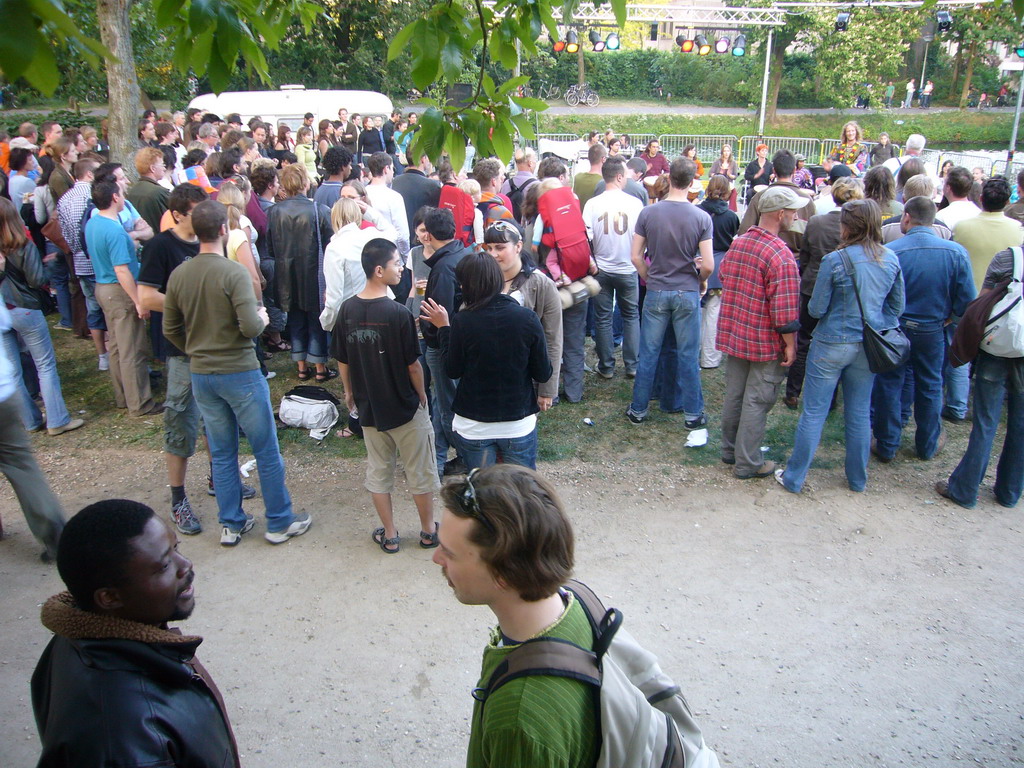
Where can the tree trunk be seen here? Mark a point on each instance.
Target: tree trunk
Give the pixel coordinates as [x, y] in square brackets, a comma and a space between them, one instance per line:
[122, 80]
[968, 74]
[778, 58]
[958, 62]
[582, 74]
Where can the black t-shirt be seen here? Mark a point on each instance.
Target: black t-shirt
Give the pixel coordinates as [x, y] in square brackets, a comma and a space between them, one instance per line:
[376, 339]
[161, 256]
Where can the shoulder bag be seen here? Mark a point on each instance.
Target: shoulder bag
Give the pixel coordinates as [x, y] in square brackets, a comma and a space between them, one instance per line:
[886, 350]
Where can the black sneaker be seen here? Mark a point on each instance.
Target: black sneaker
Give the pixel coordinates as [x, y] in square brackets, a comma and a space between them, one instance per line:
[185, 519]
[699, 423]
[248, 492]
[634, 418]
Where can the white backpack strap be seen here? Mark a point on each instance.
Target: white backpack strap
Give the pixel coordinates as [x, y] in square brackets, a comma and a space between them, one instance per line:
[1018, 263]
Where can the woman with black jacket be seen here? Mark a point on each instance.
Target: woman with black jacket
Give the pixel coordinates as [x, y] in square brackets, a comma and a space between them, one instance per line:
[724, 226]
[496, 349]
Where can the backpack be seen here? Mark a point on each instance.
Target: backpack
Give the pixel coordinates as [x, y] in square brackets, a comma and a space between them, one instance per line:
[645, 721]
[462, 207]
[86, 215]
[516, 195]
[565, 232]
[1004, 331]
[309, 407]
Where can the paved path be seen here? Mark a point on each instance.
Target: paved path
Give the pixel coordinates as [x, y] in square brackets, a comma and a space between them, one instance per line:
[613, 107]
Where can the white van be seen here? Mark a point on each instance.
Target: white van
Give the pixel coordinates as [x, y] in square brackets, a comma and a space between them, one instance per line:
[290, 103]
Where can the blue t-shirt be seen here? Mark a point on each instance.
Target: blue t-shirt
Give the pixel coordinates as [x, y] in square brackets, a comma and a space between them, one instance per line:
[109, 246]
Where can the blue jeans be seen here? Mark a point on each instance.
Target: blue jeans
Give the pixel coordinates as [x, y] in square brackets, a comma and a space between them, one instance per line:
[94, 312]
[957, 380]
[993, 382]
[441, 414]
[307, 337]
[57, 274]
[228, 401]
[623, 290]
[574, 334]
[513, 450]
[681, 310]
[30, 325]
[927, 347]
[827, 365]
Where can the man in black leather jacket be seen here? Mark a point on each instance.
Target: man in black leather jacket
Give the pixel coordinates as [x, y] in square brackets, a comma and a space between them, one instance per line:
[115, 686]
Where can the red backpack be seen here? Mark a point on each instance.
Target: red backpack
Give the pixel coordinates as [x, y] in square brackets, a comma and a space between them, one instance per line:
[462, 207]
[565, 232]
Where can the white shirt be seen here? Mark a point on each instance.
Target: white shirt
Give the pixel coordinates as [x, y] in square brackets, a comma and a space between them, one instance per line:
[391, 205]
[957, 211]
[343, 269]
[610, 218]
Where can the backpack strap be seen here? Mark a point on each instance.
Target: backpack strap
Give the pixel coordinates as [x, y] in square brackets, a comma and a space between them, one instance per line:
[549, 656]
[1018, 263]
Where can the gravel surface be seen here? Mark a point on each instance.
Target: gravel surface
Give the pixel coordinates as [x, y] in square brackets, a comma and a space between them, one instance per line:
[829, 629]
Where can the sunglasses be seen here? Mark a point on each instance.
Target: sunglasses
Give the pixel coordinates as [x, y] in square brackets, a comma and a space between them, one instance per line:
[470, 504]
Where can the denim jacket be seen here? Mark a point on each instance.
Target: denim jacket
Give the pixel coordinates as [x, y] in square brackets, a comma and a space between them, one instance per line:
[834, 300]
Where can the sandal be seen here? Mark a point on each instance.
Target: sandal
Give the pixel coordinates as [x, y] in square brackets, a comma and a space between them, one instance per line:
[327, 375]
[305, 375]
[378, 538]
[429, 540]
[344, 432]
[277, 346]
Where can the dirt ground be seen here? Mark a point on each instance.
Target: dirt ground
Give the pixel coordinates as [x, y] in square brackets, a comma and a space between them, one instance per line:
[830, 629]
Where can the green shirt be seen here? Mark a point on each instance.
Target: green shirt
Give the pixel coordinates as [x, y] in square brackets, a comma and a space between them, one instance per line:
[584, 184]
[210, 314]
[150, 200]
[537, 721]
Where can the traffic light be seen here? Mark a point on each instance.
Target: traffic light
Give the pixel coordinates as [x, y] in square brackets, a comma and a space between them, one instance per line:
[739, 45]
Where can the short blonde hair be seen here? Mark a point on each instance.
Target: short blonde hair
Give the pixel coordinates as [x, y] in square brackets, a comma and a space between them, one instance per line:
[847, 188]
[921, 185]
[472, 188]
[345, 211]
[145, 158]
[294, 180]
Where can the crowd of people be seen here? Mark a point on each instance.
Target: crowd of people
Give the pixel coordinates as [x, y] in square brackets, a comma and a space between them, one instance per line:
[455, 308]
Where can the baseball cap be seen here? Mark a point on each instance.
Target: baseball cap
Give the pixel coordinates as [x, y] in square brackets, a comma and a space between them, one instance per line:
[839, 171]
[780, 199]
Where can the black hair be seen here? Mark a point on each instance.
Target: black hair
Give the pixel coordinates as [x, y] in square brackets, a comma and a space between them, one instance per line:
[613, 166]
[995, 194]
[921, 210]
[183, 196]
[502, 231]
[261, 178]
[377, 253]
[193, 157]
[103, 193]
[440, 223]
[105, 172]
[96, 546]
[336, 159]
[170, 156]
[19, 158]
[208, 219]
[784, 163]
[421, 215]
[229, 158]
[289, 157]
[480, 278]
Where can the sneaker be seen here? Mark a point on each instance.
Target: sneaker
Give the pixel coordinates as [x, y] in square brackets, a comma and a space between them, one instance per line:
[634, 418]
[229, 538]
[605, 374]
[62, 327]
[248, 492]
[778, 477]
[298, 527]
[185, 519]
[73, 424]
[271, 374]
[952, 418]
[699, 423]
[105, 362]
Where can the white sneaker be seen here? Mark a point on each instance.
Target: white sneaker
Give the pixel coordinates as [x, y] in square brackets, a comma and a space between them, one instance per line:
[298, 527]
[104, 362]
[271, 374]
[229, 538]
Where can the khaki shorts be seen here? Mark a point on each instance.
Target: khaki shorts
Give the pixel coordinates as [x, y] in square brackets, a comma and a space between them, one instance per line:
[414, 442]
[181, 414]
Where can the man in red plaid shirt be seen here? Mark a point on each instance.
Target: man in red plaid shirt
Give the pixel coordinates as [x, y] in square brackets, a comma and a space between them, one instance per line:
[757, 328]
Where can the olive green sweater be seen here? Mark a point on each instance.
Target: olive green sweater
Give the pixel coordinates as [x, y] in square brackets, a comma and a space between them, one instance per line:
[210, 314]
[537, 721]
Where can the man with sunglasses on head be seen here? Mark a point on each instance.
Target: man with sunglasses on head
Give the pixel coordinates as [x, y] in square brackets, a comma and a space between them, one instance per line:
[506, 542]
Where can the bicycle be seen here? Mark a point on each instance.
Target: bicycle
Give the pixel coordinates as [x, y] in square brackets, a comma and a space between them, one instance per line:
[582, 94]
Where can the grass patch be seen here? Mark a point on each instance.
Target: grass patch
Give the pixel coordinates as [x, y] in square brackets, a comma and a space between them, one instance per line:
[563, 435]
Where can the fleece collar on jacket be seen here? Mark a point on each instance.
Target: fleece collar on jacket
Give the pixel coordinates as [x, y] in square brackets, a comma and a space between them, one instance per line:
[61, 616]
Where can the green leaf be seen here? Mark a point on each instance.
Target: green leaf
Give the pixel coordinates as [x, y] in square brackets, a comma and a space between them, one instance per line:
[201, 51]
[522, 122]
[511, 84]
[619, 9]
[455, 143]
[42, 72]
[201, 15]
[489, 86]
[399, 41]
[167, 12]
[19, 40]
[501, 137]
[219, 74]
[451, 60]
[527, 103]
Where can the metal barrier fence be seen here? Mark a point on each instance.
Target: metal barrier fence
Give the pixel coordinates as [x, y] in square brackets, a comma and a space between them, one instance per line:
[798, 146]
[999, 169]
[970, 160]
[932, 159]
[709, 148]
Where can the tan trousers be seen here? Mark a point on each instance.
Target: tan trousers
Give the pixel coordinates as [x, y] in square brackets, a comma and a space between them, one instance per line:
[127, 342]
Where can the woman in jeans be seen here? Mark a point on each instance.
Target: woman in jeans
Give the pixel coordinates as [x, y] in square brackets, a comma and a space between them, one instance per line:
[837, 350]
[21, 275]
[495, 348]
